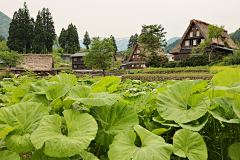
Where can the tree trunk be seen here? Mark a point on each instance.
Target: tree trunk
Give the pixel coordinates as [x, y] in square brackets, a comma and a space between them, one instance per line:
[104, 73]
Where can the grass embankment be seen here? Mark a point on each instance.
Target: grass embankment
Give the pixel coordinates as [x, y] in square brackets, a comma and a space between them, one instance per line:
[62, 67]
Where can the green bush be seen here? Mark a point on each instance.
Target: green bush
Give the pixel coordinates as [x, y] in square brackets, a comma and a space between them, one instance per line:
[232, 59]
[6, 75]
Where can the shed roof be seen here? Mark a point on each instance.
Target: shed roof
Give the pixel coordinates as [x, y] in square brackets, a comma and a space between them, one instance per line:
[203, 28]
[37, 62]
[79, 54]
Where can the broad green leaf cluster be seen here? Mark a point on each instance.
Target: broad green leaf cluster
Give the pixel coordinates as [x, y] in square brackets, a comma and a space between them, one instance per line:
[66, 118]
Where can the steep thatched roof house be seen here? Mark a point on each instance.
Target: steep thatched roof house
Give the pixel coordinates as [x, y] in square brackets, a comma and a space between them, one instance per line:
[39, 63]
[136, 59]
[194, 35]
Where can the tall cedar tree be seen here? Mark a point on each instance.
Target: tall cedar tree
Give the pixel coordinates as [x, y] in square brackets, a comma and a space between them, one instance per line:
[48, 30]
[63, 38]
[114, 43]
[153, 36]
[130, 42]
[100, 54]
[73, 45]
[135, 39]
[2, 38]
[38, 41]
[21, 31]
[86, 40]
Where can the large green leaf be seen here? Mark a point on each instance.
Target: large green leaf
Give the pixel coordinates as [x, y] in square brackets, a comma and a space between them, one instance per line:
[196, 125]
[153, 147]
[9, 155]
[189, 144]
[83, 94]
[234, 151]
[65, 78]
[39, 98]
[109, 83]
[6, 131]
[39, 155]
[113, 120]
[223, 110]
[39, 87]
[78, 92]
[88, 156]
[21, 90]
[179, 105]
[26, 116]
[226, 77]
[56, 91]
[82, 129]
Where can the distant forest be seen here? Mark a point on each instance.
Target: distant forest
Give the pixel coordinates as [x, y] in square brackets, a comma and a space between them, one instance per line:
[171, 46]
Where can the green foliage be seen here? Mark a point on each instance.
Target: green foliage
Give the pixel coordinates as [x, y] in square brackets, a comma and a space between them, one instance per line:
[21, 31]
[117, 64]
[9, 58]
[64, 118]
[114, 43]
[153, 37]
[189, 144]
[2, 38]
[214, 33]
[100, 54]
[156, 60]
[132, 41]
[232, 59]
[38, 40]
[125, 53]
[69, 39]
[86, 40]
[236, 36]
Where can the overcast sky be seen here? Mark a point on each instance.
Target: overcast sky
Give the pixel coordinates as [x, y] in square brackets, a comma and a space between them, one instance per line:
[123, 18]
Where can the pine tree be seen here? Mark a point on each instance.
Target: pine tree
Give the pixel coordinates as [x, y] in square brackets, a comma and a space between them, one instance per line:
[21, 31]
[114, 43]
[63, 38]
[38, 41]
[48, 30]
[27, 28]
[86, 40]
[130, 42]
[72, 40]
[135, 39]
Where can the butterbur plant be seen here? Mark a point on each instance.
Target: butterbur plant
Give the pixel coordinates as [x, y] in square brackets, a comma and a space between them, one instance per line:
[65, 119]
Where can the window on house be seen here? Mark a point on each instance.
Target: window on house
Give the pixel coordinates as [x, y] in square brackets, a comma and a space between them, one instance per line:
[74, 66]
[138, 51]
[133, 56]
[191, 34]
[198, 33]
[194, 42]
[187, 43]
[132, 65]
[202, 40]
[74, 59]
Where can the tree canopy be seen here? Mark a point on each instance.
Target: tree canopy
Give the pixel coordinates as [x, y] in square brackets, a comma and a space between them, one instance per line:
[214, 32]
[132, 41]
[100, 54]
[153, 36]
[2, 38]
[69, 39]
[114, 43]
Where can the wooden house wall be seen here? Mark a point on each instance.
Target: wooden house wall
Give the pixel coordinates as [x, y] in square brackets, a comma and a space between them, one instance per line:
[78, 63]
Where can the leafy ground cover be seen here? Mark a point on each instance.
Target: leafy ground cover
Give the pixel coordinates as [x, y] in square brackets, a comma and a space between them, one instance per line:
[66, 118]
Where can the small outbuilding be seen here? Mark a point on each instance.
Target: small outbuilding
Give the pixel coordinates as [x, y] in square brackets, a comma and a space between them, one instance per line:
[66, 57]
[42, 64]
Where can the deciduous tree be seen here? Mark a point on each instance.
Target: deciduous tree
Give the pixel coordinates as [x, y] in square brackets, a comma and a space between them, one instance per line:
[100, 54]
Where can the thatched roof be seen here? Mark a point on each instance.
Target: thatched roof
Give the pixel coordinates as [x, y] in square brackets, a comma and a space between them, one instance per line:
[38, 62]
[203, 28]
[141, 47]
